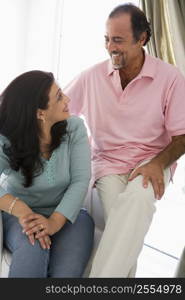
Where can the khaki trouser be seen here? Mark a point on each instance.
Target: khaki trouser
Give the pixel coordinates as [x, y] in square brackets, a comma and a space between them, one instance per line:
[180, 271]
[128, 210]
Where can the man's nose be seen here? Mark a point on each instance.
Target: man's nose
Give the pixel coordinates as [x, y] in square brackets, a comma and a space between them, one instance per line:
[111, 46]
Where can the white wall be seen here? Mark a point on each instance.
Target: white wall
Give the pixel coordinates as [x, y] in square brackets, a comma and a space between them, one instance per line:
[13, 19]
[29, 37]
[43, 33]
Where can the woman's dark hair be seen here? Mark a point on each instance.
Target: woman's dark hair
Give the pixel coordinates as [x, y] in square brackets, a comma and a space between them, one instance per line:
[18, 122]
[138, 20]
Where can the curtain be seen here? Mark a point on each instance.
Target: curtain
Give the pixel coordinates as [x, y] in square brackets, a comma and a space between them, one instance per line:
[167, 19]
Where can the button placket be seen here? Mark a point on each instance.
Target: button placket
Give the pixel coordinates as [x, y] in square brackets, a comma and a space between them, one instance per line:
[50, 169]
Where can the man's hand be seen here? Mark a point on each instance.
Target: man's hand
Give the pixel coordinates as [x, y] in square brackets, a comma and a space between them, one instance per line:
[152, 172]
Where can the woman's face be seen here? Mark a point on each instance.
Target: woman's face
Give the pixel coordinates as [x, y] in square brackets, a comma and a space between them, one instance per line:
[57, 106]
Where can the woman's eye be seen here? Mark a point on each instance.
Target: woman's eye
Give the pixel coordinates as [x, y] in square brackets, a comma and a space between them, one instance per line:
[59, 97]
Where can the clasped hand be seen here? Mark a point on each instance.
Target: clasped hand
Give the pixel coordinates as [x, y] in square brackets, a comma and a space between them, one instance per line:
[36, 226]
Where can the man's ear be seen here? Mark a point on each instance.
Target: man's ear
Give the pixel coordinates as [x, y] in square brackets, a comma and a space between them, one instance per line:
[40, 115]
[143, 38]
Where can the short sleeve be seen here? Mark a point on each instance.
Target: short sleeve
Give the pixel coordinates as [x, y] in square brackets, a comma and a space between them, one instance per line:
[175, 107]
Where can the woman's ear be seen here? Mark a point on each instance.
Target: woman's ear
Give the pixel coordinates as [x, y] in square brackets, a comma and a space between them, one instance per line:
[40, 115]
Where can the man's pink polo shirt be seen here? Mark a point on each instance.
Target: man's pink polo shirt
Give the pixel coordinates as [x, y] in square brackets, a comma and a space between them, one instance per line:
[131, 125]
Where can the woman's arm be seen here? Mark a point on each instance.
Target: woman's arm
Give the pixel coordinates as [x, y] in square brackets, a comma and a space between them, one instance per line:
[80, 170]
[16, 207]
[19, 208]
[22, 211]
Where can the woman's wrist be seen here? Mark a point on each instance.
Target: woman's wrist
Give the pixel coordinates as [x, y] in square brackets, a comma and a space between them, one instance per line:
[20, 209]
[57, 220]
[13, 205]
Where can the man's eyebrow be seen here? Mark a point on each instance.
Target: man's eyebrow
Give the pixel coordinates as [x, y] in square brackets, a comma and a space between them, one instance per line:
[118, 37]
[115, 37]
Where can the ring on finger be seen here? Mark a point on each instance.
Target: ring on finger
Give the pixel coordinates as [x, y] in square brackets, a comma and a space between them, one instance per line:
[41, 227]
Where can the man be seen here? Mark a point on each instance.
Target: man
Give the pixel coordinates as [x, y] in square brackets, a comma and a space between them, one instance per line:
[134, 107]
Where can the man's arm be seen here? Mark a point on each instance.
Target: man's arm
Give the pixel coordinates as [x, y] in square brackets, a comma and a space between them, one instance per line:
[172, 152]
[153, 170]
[75, 91]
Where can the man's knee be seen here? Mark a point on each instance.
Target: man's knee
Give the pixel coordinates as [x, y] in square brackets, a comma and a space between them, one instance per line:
[136, 198]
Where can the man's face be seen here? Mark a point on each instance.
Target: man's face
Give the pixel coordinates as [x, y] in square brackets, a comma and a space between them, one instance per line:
[120, 43]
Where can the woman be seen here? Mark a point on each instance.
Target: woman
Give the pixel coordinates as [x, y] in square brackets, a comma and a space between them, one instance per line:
[45, 156]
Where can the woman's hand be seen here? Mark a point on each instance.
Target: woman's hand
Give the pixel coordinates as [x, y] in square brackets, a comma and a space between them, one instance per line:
[45, 241]
[22, 223]
[39, 225]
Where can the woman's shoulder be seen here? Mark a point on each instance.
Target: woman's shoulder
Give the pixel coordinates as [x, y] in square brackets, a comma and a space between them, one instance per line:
[75, 124]
[76, 128]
